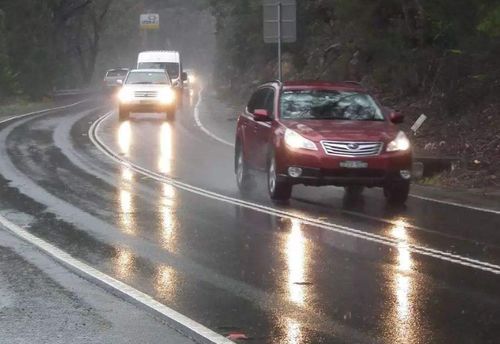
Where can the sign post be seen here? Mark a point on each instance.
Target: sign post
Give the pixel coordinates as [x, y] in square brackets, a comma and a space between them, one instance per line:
[280, 25]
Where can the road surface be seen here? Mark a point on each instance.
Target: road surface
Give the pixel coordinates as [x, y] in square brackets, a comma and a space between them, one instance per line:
[155, 206]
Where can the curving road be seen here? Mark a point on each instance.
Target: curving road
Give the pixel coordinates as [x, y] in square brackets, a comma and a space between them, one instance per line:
[155, 205]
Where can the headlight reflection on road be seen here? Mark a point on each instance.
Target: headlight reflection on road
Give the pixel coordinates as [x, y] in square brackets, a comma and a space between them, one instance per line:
[296, 251]
[125, 137]
[124, 263]
[165, 159]
[126, 202]
[165, 281]
[167, 215]
[399, 232]
[403, 285]
[294, 332]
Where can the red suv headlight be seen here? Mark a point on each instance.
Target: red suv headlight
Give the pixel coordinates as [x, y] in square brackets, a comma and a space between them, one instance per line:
[296, 141]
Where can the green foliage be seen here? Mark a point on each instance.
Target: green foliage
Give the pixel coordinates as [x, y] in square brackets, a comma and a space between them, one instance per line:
[432, 48]
[8, 84]
[490, 24]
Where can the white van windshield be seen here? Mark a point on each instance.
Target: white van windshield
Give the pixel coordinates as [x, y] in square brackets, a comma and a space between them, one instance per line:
[172, 68]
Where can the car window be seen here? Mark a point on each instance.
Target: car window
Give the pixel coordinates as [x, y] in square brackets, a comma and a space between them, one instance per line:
[329, 105]
[257, 101]
[116, 73]
[172, 68]
[157, 78]
[269, 102]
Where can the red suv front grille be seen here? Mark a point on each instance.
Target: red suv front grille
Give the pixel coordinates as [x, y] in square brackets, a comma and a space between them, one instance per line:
[352, 149]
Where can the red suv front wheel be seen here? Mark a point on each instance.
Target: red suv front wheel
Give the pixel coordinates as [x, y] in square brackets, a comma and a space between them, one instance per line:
[279, 189]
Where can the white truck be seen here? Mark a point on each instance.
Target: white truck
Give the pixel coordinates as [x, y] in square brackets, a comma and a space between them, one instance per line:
[167, 60]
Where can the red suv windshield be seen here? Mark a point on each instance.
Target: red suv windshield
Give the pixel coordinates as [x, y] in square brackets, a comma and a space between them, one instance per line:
[329, 105]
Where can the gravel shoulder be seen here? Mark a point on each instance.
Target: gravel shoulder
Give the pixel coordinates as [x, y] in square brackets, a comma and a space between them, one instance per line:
[42, 302]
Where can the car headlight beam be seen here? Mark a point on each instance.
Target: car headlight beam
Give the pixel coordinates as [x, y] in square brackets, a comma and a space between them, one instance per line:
[296, 141]
[166, 96]
[400, 143]
[125, 95]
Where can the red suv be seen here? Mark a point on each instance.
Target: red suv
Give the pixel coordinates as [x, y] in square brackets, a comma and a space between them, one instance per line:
[322, 133]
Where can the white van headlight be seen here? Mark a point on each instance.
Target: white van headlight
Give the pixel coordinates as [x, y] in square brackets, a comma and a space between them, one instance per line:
[125, 95]
[166, 96]
[400, 143]
[296, 141]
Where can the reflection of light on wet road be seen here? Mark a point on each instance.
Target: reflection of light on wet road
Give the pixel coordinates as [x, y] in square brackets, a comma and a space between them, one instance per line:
[402, 285]
[165, 281]
[165, 159]
[399, 232]
[125, 137]
[296, 261]
[124, 263]
[126, 202]
[127, 174]
[191, 97]
[167, 216]
[294, 332]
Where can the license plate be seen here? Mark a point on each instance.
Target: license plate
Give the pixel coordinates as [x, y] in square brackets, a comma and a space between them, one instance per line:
[354, 164]
[147, 102]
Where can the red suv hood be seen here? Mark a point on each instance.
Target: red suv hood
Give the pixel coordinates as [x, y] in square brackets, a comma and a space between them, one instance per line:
[335, 130]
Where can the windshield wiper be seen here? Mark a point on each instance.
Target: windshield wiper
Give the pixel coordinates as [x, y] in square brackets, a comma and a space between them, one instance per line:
[142, 83]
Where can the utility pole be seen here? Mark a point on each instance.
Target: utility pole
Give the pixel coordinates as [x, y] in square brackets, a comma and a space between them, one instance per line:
[280, 65]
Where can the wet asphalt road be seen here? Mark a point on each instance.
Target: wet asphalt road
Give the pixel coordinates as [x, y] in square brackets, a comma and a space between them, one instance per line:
[329, 270]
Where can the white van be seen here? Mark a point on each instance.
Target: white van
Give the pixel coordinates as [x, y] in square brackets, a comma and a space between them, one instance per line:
[167, 60]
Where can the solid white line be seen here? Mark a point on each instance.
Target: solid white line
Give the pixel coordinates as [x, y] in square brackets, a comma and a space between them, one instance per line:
[455, 204]
[123, 289]
[202, 127]
[380, 239]
[39, 112]
[200, 333]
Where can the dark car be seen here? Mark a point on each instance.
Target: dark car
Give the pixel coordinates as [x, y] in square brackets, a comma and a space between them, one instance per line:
[322, 133]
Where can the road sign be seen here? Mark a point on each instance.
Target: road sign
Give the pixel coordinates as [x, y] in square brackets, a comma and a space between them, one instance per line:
[272, 18]
[150, 21]
[280, 24]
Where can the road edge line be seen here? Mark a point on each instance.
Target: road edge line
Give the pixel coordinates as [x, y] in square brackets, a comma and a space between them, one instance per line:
[202, 127]
[174, 319]
[40, 112]
[456, 204]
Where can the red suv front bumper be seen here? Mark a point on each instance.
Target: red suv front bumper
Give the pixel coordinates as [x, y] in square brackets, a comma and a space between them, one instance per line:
[319, 169]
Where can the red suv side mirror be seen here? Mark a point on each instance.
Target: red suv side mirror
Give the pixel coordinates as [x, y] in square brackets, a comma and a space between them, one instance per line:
[261, 115]
[396, 117]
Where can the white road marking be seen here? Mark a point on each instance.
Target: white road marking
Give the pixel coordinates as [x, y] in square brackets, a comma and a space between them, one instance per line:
[455, 204]
[39, 112]
[180, 321]
[380, 239]
[186, 325]
[202, 127]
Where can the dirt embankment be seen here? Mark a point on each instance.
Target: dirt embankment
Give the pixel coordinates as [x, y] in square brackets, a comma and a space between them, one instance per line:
[473, 138]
